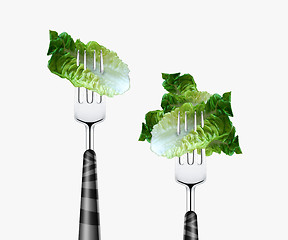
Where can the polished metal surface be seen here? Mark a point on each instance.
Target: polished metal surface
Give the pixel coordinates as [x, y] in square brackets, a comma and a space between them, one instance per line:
[190, 169]
[89, 106]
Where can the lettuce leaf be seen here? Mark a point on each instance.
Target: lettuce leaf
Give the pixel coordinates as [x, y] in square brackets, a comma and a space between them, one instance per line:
[151, 118]
[218, 134]
[182, 89]
[171, 101]
[178, 84]
[63, 62]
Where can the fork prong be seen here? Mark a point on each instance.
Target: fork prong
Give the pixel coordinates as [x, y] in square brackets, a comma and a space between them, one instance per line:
[85, 60]
[94, 60]
[78, 58]
[180, 160]
[203, 154]
[100, 98]
[79, 95]
[78, 89]
[186, 122]
[89, 96]
[97, 97]
[194, 128]
[189, 159]
[202, 119]
[101, 63]
[195, 121]
[178, 124]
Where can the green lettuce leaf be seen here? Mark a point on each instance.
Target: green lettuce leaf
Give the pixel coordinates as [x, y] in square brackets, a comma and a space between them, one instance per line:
[217, 135]
[178, 84]
[182, 89]
[171, 101]
[151, 118]
[63, 62]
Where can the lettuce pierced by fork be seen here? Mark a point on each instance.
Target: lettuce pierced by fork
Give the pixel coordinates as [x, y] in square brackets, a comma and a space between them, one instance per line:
[217, 135]
[63, 50]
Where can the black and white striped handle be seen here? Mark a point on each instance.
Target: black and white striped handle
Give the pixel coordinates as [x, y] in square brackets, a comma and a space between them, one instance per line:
[89, 228]
[190, 226]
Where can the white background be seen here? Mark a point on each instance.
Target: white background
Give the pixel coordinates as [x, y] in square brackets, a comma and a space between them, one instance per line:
[238, 46]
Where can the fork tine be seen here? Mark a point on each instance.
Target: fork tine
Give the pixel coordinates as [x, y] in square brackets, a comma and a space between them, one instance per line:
[78, 89]
[100, 98]
[79, 95]
[94, 60]
[89, 96]
[78, 58]
[97, 97]
[101, 63]
[178, 133]
[186, 122]
[194, 158]
[189, 160]
[203, 154]
[178, 124]
[85, 60]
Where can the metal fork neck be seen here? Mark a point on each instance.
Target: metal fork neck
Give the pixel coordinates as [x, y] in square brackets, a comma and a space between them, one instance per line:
[90, 136]
[190, 198]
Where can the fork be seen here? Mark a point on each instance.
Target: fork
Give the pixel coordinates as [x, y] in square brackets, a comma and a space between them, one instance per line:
[190, 170]
[89, 109]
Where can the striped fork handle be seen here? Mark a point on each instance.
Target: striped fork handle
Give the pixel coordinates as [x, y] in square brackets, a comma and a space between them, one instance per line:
[89, 226]
[190, 226]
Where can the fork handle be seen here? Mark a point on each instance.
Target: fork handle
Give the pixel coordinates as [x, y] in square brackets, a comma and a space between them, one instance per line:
[190, 226]
[89, 226]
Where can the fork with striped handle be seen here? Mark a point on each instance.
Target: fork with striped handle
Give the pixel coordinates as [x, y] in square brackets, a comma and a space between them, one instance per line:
[190, 170]
[89, 109]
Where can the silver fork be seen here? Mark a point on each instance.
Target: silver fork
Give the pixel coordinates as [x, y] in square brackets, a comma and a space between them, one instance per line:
[89, 109]
[190, 170]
